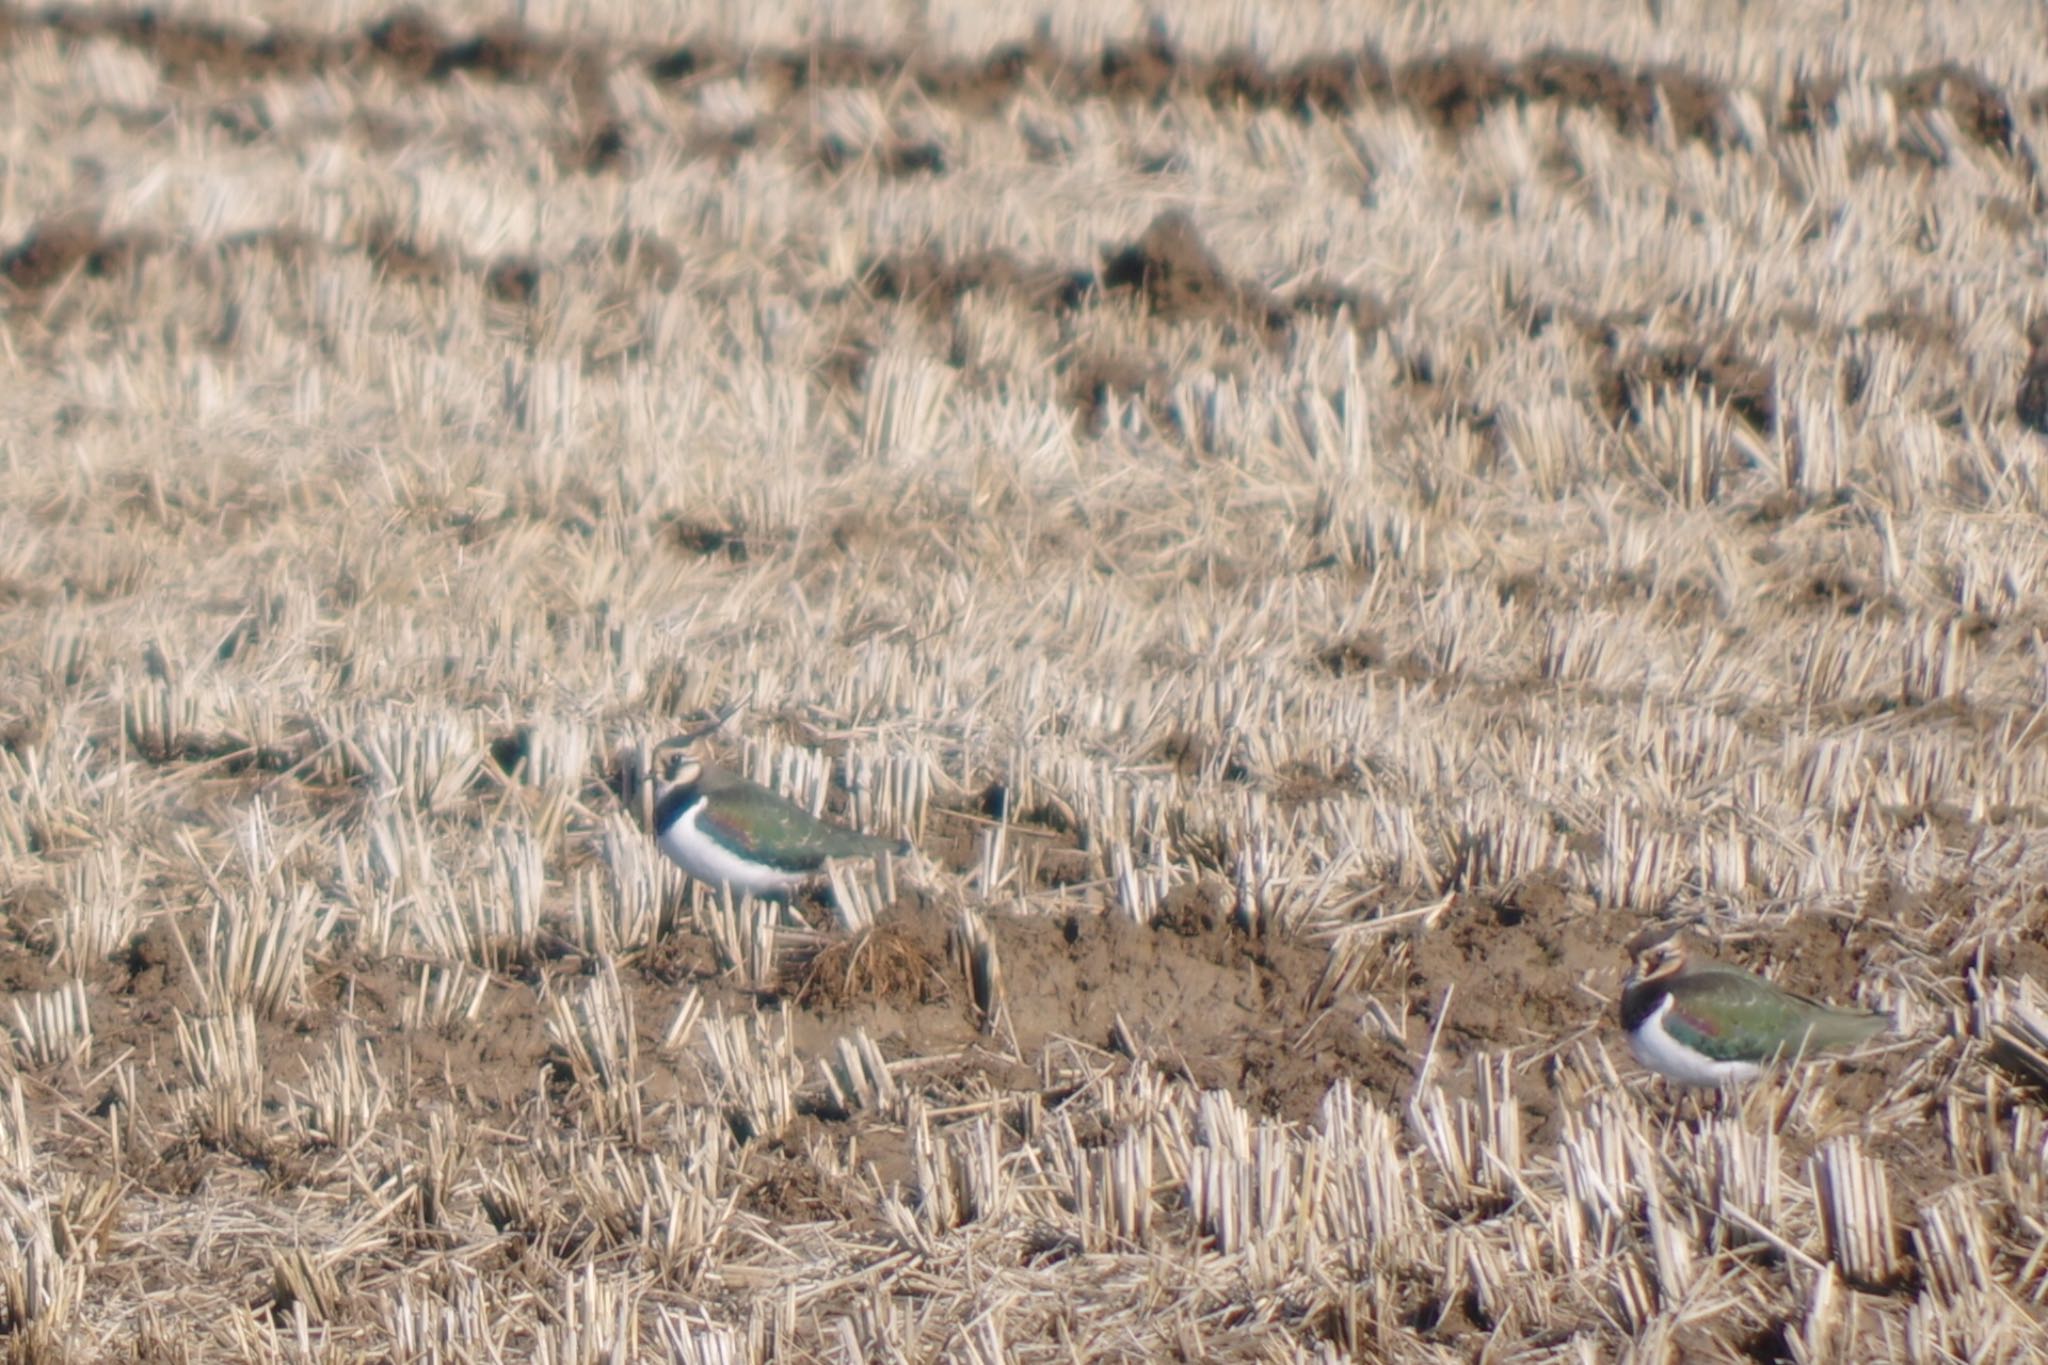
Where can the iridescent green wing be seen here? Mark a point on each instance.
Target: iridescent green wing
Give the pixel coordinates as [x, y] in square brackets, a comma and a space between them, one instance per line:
[1733, 1016]
[762, 826]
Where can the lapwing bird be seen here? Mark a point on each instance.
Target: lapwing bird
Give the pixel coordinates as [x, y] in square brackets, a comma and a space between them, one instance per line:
[1707, 1024]
[727, 831]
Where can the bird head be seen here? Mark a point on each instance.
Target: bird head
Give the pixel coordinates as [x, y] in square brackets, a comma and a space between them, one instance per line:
[643, 775]
[676, 764]
[1656, 961]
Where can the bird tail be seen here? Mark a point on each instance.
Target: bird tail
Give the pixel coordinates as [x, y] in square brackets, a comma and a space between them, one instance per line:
[854, 844]
[1841, 1028]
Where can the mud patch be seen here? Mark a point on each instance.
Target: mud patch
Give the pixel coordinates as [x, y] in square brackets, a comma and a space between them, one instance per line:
[52, 251]
[896, 961]
[1225, 1010]
[1180, 279]
[2030, 404]
[1748, 388]
[1530, 971]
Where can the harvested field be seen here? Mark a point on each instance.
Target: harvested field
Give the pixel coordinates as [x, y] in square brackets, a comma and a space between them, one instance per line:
[1321, 530]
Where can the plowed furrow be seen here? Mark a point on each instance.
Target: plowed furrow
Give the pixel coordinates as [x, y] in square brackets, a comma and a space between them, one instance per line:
[1453, 89]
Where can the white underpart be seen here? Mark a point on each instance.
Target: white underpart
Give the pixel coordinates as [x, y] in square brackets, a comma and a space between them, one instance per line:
[704, 858]
[1663, 1054]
